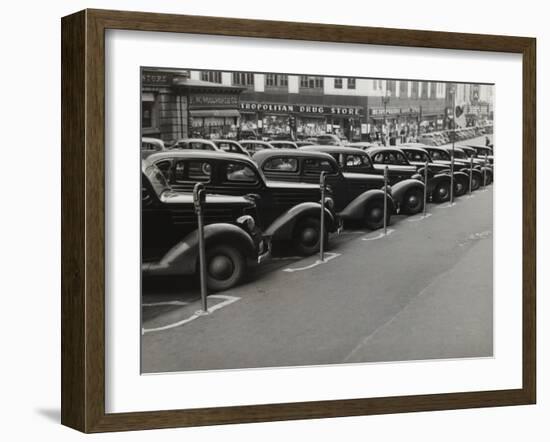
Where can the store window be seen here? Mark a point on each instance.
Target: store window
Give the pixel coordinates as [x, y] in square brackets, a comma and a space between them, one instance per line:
[276, 80]
[414, 89]
[147, 108]
[337, 83]
[308, 82]
[403, 89]
[211, 76]
[392, 87]
[433, 90]
[243, 78]
[424, 89]
[351, 83]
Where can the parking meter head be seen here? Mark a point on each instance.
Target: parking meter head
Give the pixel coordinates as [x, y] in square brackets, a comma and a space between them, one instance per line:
[199, 195]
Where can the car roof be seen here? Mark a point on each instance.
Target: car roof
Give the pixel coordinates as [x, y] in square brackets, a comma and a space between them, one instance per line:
[264, 155]
[196, 154]
[225, 141]
[266, 143]
[333, 149]
[281, 142]
[417, 147]
[193, 140]
[375, 150]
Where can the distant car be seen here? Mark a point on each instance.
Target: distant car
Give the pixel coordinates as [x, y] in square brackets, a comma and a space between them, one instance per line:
[287, 212]
[364, 145]
[231, 146]
[442, 156]
[356, 197]
[463, 161]
[329, 139]
[248, 134]
[151, 145]
[284, 144]
[253, 146]
[195, 144]
[233, 240]
[407, 193]
[302, 143]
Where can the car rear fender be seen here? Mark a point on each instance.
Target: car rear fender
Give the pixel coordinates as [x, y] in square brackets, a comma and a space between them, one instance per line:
[283, 227]
[356, 208]
[183, 257]
[399, 189]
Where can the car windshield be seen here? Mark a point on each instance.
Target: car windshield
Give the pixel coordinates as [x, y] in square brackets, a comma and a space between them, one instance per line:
[440, 155]
[157, 180]
[460, 154]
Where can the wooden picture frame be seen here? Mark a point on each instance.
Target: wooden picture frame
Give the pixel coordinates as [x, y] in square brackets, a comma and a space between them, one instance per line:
[83, 220]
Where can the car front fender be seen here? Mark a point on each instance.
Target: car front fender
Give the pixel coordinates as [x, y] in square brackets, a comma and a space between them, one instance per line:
[283, 226]
[183, 257]
[399, 189]
[356, 208]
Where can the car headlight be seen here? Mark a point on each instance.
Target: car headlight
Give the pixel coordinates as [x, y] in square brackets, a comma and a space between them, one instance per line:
[247, 222]
[329, 203]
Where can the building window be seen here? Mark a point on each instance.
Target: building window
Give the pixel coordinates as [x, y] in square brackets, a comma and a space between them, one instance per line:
[147, 114]
[276, 80]
[211, 76]
[351, 83]
[311, 82]
[440, 90]
[391, 86]
[243, 79]
[433, 90]
[338, 83]
[414, 89]
[424, 86]
[403, 89]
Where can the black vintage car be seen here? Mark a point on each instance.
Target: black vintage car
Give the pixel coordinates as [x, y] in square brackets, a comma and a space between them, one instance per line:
[441, 155]
[287, 211]
[439, 175]
[407, 193]
[170, 237]
[356, 197]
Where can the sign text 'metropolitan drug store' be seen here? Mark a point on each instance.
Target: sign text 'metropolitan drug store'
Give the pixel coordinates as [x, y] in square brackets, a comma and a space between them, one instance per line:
[299, 108]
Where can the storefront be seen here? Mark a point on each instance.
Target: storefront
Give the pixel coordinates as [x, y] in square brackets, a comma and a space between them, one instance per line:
[300, 120]
[397, 124]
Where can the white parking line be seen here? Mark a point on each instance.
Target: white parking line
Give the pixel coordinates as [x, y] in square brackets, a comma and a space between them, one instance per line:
[198, 314]
[378, 235]
[445, 206]
[413, 219]
[161, 303]
[328, 257]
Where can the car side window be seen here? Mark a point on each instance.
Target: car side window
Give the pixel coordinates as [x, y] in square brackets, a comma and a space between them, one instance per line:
[400, 158]
[356, 162]
[379, 158]
[281, 165]
[198, 171]
[240, 173]
[316, 166]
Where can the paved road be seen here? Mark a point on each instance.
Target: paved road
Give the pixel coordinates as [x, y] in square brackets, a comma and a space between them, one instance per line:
[425, 291]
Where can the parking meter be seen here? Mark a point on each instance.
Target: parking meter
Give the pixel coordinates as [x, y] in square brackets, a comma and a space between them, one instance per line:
[199, 198]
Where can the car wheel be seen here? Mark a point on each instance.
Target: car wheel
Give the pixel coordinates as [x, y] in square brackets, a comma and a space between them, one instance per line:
[442, 192]
[413, 202]
[307, 236]
[476, 182]
[225, 267]
[374, 215]
[461, 187]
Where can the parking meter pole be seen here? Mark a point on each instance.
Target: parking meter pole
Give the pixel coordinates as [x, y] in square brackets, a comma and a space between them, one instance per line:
[471, 173]
[485, 171]
[425, 188]
[451, 199]
[198, 200]
[386, 200]
[322, 230]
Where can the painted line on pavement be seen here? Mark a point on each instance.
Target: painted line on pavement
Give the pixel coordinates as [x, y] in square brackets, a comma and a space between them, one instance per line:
[328, 256]
[445, 206]
[286, 258]
[161, 303]
[353, 232]
[413, 219]
[378, 235]
[227, 300]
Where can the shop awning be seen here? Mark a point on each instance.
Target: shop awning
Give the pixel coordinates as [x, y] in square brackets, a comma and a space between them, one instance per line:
[215, 113]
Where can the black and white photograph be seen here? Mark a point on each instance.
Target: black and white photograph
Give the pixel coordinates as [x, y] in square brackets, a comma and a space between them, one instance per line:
[304, 219]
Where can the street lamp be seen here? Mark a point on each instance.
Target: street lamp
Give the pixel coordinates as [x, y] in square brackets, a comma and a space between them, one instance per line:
[385, 101]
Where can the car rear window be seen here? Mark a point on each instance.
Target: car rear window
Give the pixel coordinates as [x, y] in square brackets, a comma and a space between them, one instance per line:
[281, 165]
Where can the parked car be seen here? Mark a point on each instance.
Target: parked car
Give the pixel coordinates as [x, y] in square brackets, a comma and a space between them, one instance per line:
[329, 139]
[287, 211]
[439, 175]
[194, 144]
[407, 193]
[478, 162]
[356, 197]
[231, 146]
[463, 161]
[253, 146]
[483, 151]
[233, 239]
[301, 143]
[248, 134]
[442, 156]
[151, 145]
[284, 144]
[364, 145]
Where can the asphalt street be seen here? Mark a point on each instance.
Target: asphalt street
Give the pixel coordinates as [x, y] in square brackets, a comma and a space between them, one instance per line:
[422, 292]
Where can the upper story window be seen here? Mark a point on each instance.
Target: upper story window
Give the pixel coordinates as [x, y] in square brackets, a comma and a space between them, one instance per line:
[403, 88]
[424, 90]
[351, 83]
[414, 89]
[276, 80]
[311, 82]
[211, 76]
[243, 79]
[338, 83]
[392, 87]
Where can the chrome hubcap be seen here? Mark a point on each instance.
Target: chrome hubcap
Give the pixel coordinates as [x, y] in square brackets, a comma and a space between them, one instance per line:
[220, 267]
[376, 213]
[309, 236]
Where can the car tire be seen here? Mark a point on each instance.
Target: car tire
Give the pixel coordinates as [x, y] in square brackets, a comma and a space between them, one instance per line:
[461, 187]
[225, 267]
[374, 215]
[413, 201]
[306, 236]
[441, 192]
[476, 182]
